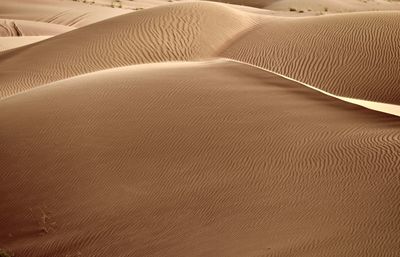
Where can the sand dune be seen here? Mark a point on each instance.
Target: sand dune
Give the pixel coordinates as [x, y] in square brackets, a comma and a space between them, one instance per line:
[321, 6]
[334, 5]
[7, 43]
[214, 158]
[351, 55]
[354, 55]
[136, 5]
[170, 33]
[67, 13]
[10, 28]
[199, 129]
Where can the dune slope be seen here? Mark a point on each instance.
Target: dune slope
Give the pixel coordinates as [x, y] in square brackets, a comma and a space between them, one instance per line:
[198, 159]
[334, 5]
[10, 28]
[7, 43]
[68, 13]
[170, 33]
[354, 55]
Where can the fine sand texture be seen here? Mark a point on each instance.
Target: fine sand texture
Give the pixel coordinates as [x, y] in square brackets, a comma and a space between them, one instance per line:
[354, 55]
[195, 159]
[168, 33]
[199, 129]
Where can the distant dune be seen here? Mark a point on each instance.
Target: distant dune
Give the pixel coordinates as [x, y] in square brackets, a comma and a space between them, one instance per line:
[319, 5]
[9, 28]
[68, 13]
[199, 128]
[187, 159]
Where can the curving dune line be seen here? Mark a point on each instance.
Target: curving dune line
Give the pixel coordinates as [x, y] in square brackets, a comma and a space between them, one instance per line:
[376, 106]
[319, 5]
[178, 32]
[334, 5]
[12, 28]
[215, 158]
[351, 55]
[7, 43]
[68, 13]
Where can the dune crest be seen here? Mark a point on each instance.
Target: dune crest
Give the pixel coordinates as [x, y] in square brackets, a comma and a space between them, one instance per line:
[319, 6]
[7, 43]
[351, 55]
[191, 31]
[11, 28]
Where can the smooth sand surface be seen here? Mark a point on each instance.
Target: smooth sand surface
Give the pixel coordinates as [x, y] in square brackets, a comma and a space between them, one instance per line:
[199, 129]
[213, 158]
[12, 28]
[321, 6]
[334, 5]
[63, 12]
[135, 5]
[7, 43]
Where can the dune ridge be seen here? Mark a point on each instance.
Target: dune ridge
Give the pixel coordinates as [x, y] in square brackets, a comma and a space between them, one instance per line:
[192, 31]
[199, 129]
[392, 109]
[187, 159]
[10, 28]
[352, 55]
[319, 6]
[336, 53]
[7, 43]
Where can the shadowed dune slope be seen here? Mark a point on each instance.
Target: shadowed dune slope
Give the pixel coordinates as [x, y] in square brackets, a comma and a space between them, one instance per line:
[353, 55]
[174, 32]
[62, 12]
[10, 28]
[199, 159]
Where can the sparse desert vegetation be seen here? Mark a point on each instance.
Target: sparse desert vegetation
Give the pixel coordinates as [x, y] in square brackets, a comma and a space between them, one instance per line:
[116, 4]
[4, 253]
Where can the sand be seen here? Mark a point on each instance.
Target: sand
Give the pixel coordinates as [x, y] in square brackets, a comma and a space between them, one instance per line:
[353, 55]
[319, 6]
[214, 157]
[321, 51]
[198, 129]
[192, 31]
[63, 12]
[7, 43]
[10, 28]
